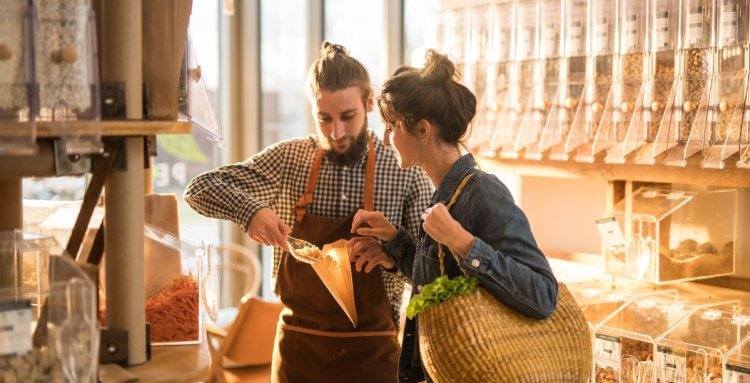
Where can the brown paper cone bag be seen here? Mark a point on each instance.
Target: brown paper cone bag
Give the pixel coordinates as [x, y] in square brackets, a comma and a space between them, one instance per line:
[336, 273]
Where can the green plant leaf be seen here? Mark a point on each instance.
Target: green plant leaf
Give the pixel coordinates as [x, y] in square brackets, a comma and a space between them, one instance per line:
[439, 291]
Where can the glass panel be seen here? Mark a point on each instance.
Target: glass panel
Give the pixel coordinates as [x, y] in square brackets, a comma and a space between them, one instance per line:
[420, 29]
[366, 45]
[284, 107]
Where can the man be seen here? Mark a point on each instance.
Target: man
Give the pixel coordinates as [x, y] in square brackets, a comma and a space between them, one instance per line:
[310, 189]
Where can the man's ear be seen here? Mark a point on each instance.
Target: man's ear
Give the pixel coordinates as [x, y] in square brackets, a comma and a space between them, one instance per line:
[368, 103]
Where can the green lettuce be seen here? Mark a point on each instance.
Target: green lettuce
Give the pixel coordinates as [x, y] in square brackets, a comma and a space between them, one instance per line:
[439, 291]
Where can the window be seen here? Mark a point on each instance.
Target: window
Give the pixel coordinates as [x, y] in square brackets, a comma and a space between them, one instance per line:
[420, 29]
[283, 68]
[182, 157]
[359, 27]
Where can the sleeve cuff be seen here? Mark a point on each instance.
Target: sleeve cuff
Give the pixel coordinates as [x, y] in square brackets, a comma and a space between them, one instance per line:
[477, 259]
[246, 212]
[391, 246]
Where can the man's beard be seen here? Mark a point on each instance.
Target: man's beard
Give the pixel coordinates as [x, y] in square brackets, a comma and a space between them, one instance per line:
[352, 155]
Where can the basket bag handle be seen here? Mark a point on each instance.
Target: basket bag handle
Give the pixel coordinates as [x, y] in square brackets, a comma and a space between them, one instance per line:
[452, 200]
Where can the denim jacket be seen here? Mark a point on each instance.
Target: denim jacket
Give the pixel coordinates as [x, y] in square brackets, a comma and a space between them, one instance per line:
[504, 257]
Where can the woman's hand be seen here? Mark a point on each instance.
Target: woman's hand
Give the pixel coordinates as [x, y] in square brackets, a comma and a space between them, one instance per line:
[380, 227]
[439, 225]
[366, 250]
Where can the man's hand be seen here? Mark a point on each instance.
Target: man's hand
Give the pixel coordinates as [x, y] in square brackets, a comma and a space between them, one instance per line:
[366, 250]
[266, 228]
[380, 227]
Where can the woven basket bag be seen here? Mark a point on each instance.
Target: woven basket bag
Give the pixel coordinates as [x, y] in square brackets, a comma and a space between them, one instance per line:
[477, 338]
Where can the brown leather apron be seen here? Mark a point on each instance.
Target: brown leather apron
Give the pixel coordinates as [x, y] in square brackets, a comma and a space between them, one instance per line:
[315, 341]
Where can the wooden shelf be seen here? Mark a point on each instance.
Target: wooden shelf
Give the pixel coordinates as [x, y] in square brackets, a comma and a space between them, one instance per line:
[174, 364]
[105, 127]
[692, 174]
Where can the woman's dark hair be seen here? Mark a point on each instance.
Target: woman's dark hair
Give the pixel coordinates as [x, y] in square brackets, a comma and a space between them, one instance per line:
[431, 93]
[335, 70]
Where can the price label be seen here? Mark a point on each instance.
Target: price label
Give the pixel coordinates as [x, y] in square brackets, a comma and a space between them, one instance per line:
[662, 29]
[607, 351]
[575, 38]
[602, 35]
[611, 233]
[695, 24]
[737, 374]
[671, 365]
[15, 324]
[728, 26]
[631, 32]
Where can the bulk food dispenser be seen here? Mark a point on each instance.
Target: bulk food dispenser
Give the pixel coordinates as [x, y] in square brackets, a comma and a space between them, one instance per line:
[674, 235]
[662, 111]
[47, 313]
[525, 93]
[630, 87]
[728, 95]
[601, 45]
[625, 342]
[630, 42]
[553, 76]
[568, 88]
[697, 348]
[492, 111]
[692, 111]
[16, 77]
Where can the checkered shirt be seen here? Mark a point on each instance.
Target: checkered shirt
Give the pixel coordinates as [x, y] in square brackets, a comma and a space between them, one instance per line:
[277, 176]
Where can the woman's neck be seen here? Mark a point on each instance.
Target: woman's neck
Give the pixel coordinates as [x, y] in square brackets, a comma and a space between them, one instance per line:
[439, 162]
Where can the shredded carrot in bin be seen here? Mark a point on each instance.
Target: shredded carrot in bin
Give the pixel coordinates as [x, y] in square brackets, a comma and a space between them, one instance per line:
[172, 312]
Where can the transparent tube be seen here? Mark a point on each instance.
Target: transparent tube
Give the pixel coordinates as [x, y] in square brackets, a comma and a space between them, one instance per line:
[598, 83]
[696, 81]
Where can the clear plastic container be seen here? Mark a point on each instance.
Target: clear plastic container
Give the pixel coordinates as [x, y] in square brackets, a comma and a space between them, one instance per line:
[570, 85]
[675, 235]
[624, 344]
[17, 134]
[599, 299]
[630, 82]
[695, 76]
[583, 138]
[727, 97]
[477, 76]
[662, 110]
[232, 272]
[495, 108]
[47, 312]
[551, 74]
[737, 368]
[524, 107]
[195, 102]
[67, 81]
[173, 276]
[697, 348]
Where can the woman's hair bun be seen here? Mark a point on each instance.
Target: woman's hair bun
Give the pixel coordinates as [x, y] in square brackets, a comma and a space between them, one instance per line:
[437, 69]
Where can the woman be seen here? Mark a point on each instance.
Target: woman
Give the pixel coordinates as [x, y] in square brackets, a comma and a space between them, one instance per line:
[427, 113]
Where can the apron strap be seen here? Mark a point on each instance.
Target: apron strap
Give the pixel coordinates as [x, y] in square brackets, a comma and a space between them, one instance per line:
[307, 198]
[370, 176]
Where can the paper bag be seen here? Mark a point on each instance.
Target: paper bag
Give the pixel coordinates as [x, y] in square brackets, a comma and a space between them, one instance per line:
[336, 273]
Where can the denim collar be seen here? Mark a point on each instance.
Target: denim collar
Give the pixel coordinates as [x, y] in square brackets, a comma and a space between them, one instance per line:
[451, 180]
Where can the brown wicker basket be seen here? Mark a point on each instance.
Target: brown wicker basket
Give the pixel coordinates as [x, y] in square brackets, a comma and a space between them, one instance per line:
[476, 338]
